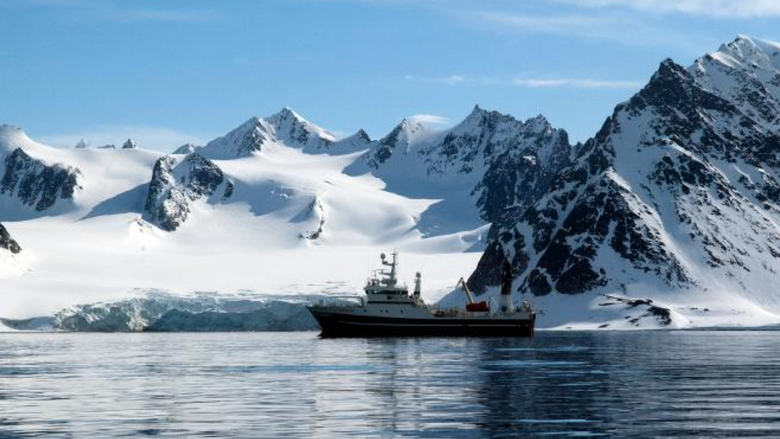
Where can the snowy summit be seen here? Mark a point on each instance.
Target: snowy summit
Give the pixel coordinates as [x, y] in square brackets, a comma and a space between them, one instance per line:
[669, 216]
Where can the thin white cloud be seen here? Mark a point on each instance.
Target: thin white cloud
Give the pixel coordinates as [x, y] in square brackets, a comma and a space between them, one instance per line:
[548, 23]
[430, 119]
[587, 83]
[157, 138]
[710, 8]
[613, 20]
[575, 83]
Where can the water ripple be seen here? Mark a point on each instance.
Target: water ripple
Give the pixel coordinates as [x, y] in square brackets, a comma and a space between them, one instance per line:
[703, 384]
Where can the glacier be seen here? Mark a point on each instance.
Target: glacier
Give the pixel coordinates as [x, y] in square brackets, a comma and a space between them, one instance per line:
[161, 311]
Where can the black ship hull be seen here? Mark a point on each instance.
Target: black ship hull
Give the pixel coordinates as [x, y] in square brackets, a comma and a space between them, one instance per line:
[345, 325]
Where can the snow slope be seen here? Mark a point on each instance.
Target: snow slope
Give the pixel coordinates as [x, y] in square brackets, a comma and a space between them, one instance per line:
[283, 219]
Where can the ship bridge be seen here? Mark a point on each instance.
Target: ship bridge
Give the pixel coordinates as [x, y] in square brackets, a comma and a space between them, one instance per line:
[382, 286]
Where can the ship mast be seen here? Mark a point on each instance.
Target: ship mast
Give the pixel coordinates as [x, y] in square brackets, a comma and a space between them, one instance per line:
[390, 278]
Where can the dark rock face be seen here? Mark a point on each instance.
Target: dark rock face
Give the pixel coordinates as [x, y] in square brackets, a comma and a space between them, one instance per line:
[36, 184]
[174, 185]
[314, 216]
[229, 188]
[684, 172]
[603, 215]
[7, 242]
[645, 307]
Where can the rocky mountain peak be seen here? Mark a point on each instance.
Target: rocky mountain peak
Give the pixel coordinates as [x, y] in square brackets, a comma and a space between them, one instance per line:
[293, 129]
[661, 194]
[247, 138]
[477, 113]
[360, 134]
[479, 117]
[130, 144]
[187, 148]
[285, 127]
[399, 139]
[286, 114]
[745, 54]
[411, 126]
[747, 51]
[669, 70]
[538, 124]
[356, 142]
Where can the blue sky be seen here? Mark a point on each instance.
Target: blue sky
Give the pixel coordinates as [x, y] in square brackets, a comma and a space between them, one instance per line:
[171, 71]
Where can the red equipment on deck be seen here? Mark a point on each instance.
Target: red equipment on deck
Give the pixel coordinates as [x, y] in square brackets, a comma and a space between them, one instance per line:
[477, 307]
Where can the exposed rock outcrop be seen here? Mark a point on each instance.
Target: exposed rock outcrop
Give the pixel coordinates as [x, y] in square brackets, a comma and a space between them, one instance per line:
[35, 183]
[175, 184]
[8, 243]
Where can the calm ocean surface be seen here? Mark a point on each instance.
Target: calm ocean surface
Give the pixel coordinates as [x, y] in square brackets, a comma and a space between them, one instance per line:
[289, 385]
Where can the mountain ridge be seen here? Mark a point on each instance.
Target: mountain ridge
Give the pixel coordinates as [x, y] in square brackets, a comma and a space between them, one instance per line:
[659, 202]
[671, 208]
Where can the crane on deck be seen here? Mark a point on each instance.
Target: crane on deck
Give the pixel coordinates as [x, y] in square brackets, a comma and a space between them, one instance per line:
[472, 306]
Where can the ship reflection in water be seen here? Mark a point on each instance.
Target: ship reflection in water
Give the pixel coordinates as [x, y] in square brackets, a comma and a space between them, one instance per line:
[266, 385]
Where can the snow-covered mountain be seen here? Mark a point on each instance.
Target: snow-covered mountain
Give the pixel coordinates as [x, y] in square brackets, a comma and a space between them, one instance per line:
[32, 182]
[266, 209]
[668, 216]
[674, 199]
[284, 129]
[471, 168]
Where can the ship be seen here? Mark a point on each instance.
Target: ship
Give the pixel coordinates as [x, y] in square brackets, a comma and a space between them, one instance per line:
[388, 310]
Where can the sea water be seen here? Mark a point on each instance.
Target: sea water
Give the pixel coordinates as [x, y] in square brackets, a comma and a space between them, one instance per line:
[295, 385]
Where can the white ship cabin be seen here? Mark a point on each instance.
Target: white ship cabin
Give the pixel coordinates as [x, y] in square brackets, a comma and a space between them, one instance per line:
[382, 287]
